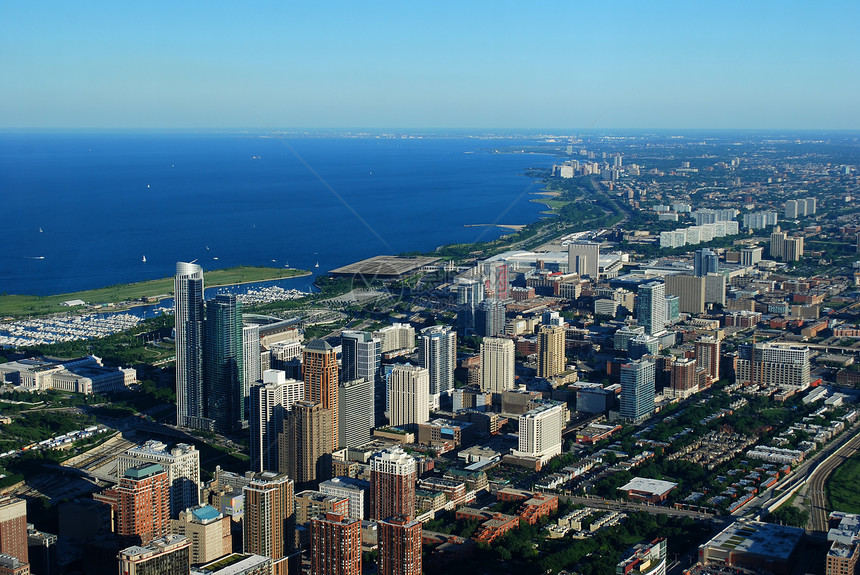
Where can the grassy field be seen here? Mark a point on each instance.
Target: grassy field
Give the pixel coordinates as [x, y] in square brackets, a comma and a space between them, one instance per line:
[842, 486]
[28, 305]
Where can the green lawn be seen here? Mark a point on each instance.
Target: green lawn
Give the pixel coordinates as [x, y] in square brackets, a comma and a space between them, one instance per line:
[28, 305]
[842, 486]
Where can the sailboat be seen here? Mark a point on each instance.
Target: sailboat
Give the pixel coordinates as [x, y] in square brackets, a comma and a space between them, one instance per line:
[144, 259]
[40, 230]
[318, 265]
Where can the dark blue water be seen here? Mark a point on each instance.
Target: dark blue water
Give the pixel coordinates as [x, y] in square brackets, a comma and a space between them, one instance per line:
[103, 201]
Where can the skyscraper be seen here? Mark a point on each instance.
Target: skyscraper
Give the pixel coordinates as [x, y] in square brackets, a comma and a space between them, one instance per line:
[690, 291]
[708, 356]
[392, 484]
[356, 411]
[496, 282]
[320, 371]
[637, 389]
[550, 349]
[470, 293]
[335, 545]
[409, 395]
[13, 527]
[683, 378]
[490, 318]
[251, 362]
[777, 239]
[650, 307]
[143, 504]
[437, 352]
[165, 555]
[208, 530]
[497, 364]
[540, 432]
[399, 546]
[305, 453]
[182, 463]
[583, 258]
[361, 358]
[190, 395]
[773, 365]
[269, 520]
[704, 262]
[223, 372]
[270, 401]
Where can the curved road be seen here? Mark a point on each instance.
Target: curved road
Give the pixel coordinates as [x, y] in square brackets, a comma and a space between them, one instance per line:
[815, 484]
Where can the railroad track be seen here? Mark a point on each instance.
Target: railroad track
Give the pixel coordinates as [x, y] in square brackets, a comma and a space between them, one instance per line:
[816, 484]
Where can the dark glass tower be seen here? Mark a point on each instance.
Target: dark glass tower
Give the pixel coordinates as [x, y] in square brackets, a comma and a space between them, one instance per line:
[223, 373]
[190, 396]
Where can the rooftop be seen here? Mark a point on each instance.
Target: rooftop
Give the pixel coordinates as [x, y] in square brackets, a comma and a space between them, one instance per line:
[384, 266]
[651, 486]
[759, 539]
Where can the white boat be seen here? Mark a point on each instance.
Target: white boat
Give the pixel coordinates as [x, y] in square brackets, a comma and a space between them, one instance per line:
[144, 259]
[318, 265]
[40, 230]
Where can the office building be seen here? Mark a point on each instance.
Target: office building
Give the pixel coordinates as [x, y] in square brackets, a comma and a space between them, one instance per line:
[690, 291]
[497, 364]
[169, 555]
[755, 546]
[353, 490]
[637, 390]
[470, 293]
[269, 520]
[773, 365]
[550, 350]
[392, 484]
[251, 362]
[270, 401]
[708, 356]
[207, 530]
[399, 546]
[143, 504]
[182, 462]
[335, 545]
[650, 307]
[408, 395]
[361, 356]
[583, 258]
[705, 262]
[223, 372]
[437, 352]
[641, 345]
[13, 527]
[496, 282]
[305, 453]
[540, 432]
[673, 308]
[715, 289]
[751, 256]
[356, 412]
[490, 318]
[319, 367]
[190, 393]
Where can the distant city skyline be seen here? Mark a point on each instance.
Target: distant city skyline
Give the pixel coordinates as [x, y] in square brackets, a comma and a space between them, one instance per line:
[479, 65]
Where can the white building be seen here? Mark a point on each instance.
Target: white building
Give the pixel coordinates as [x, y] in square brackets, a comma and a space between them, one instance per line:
[182, 463]
[269, 403]
[497, 364]
[437, 352]
[408, 395]
[346, 487]
[540, 432]
[773, 365]
[396, 336]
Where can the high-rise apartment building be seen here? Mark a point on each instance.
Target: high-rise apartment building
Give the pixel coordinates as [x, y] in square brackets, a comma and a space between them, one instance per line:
[223, 372]
[169, 555]
[360, 356]
[270, 401]
[190, 393]
[650, 307]
[356, 411]
[408, 395]
[583, 258]
[269, 519]
[683, 377]
[437, 352]
[13, 566]
[791, 211]
[540, 432]
[704, 262]
[251, 361]
[496, 282]
[470, 293]
[208, 530]
[550, 350]
[637, 389]
[392, 484]
[497, 364]
[396, 336]
[708, 356]
[490, 318]
[715, 289]
[777, 241]
[335, 545]
[320, 371]
[182, 462]
[773, 365]
[13, 527]
[399, 546]
[305, 453]
[792, 249]
[143, 504]
[690, 291]
[354, 490]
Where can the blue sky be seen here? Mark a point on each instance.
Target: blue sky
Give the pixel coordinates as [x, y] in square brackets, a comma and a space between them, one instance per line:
[463, 64]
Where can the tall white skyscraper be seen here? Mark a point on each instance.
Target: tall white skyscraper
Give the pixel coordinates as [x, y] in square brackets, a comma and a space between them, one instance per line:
[356, 412]
[408, 395]
[437, 352]
[251, 361]
[269, 403]
[540, 432]
[190, 394]
[583, 258]
[651, 307]
[497, 364]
